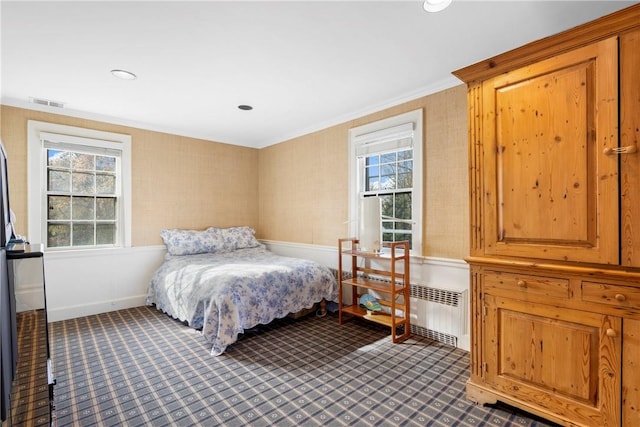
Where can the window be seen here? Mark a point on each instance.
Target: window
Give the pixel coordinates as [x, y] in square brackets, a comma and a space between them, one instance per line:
[386, 161]
[82, 199]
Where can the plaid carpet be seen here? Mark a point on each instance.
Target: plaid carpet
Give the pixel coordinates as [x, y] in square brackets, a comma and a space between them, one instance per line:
[139, 367]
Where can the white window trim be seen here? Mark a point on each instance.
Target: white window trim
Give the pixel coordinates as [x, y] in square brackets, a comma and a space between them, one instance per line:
[355, 136]
[36, 178]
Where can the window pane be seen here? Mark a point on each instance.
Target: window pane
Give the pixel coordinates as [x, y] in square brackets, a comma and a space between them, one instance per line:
[83, 183]
[405, 180]
[58, 235]
[373, 184]
[106, 208]
[372, 181]
[405, 174]
[83, 161]
[58, 158]
[403, 206]
[403, 226]
[372, 160]
[400, 237]
[83, 208]
[106, 234]
[105, 184]
[386, 203]
[58, 181]
[388, 177]
[388, 169]
[104, 163]
[405, 155]
[388, 158]
[83, 234]
[372, 171]
[58, 207]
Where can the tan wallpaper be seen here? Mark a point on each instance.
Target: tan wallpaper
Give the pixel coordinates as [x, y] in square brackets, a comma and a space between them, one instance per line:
[295, 191]
[446, 230]
[304, 189]
[176, 181]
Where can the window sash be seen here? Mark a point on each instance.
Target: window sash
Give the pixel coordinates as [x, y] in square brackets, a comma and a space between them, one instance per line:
[89, 228]
[384, 171]
[399, 226]
[81, 232]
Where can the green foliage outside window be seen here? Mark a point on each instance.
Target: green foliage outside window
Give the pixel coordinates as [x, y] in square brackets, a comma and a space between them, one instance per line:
[81, 199]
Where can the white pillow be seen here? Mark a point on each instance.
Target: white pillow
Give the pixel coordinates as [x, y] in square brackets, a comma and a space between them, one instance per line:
[239, 238]
[211, 240]
[189, 242]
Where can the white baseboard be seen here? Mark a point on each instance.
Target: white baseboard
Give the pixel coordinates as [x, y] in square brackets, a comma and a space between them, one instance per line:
[88, 309]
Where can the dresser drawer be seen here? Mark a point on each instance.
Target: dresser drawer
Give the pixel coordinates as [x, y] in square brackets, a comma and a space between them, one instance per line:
[512, 284]
[620, 296]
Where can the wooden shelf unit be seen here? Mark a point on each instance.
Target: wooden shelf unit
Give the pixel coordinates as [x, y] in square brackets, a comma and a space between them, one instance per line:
[392, 283]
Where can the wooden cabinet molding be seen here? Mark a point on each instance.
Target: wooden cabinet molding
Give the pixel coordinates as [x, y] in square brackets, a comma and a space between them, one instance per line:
[608, 26]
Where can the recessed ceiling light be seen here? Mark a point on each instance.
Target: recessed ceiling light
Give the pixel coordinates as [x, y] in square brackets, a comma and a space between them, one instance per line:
[435, 5]
[245, 107]
[124, 75]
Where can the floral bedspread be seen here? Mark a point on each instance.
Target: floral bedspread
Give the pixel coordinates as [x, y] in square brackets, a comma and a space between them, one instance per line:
[226, 293]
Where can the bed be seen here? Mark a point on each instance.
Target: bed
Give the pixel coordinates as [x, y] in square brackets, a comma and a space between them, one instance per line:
[223, 281]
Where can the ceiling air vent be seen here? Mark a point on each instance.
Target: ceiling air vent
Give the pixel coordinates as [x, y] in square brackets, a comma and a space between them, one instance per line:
[48, 102]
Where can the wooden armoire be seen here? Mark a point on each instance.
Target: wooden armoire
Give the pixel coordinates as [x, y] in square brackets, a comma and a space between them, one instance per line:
[554, 128]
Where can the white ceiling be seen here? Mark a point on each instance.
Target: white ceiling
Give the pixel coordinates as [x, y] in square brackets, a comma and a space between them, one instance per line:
[302, 65]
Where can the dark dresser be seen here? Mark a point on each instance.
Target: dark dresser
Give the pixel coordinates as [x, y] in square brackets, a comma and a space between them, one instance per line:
[32, 390]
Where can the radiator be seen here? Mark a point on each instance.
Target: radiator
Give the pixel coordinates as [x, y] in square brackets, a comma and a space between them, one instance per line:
[438, 314]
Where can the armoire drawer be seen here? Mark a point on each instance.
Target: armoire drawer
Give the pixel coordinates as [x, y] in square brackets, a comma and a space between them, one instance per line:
[513, 284]
[604, 293]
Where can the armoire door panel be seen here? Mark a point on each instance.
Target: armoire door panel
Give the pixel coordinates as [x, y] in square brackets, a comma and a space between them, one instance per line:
[546, 179]
[556, 189]
[531, 345]
[630, 137]
[556, 357]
